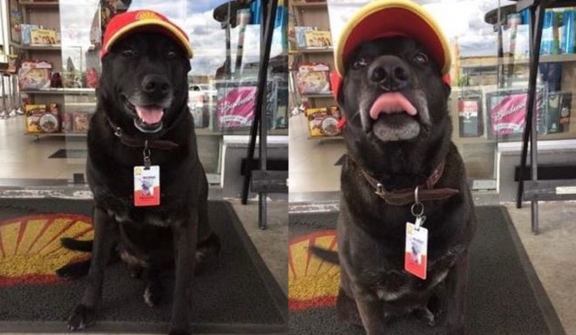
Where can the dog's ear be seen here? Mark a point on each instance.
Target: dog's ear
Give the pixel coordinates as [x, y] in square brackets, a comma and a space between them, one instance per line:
[447, 90]
[336, 84]
[447, 80]
[340, 100]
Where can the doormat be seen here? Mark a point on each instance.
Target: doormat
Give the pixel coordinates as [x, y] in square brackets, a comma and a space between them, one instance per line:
[238, 295]
[70, 153]
[505, 295]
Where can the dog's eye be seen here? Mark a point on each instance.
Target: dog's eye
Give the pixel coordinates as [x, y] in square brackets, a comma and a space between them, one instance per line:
[359, 63]
[129, 53]
[171, 54]
[421, 58]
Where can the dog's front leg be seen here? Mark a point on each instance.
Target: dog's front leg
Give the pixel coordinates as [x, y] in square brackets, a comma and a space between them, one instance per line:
[456, 291]
[185, 243]
[104, 236]
[371, 312]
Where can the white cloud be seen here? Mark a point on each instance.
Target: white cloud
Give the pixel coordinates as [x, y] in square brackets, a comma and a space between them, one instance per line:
[194, 17]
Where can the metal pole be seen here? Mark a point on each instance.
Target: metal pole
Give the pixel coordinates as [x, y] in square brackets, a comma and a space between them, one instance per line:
[537, 20]
[228, 61]
[262, 78]
[262, 88]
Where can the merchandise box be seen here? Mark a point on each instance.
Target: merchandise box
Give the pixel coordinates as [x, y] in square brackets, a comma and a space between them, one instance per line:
[318, 39]
[281, 115]
[470, 113]
[558, 110]
[323, 121]
[43, 37]
[300, 33]
[34, 75]
[313, 78]
[506, 112]
[42, 118]
[235, 104]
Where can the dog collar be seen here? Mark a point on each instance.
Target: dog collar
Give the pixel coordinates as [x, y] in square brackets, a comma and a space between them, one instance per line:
[406, 196]
[135, 142]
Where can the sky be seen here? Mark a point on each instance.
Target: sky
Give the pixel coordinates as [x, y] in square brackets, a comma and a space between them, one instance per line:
[194, 16]
[461, 19]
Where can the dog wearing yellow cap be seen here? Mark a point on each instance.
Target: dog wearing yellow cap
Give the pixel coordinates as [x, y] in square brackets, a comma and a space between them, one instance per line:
[149, 187]
[406, 213]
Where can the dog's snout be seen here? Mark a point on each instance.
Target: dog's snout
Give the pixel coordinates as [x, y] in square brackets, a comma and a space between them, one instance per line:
[155, 84]
[389, 73]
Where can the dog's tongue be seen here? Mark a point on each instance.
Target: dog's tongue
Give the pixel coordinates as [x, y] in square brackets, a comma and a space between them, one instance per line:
[390, 103]
[150, 114]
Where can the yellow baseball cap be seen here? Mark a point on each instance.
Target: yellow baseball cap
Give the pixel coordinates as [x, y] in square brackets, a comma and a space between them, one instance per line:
[389, 18]
[140, 20]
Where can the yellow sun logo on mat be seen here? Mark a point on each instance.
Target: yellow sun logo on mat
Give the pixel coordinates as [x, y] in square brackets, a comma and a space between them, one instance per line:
[30, 250]
[312, 282]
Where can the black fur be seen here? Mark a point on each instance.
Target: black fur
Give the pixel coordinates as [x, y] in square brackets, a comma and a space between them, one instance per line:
[400, 151]
[146, 237]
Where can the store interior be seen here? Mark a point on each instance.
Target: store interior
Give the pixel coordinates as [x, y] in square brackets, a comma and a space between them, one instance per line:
[38, 154]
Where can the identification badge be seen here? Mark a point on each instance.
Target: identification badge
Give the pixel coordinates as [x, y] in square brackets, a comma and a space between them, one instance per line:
[147, 186]
[415, 259]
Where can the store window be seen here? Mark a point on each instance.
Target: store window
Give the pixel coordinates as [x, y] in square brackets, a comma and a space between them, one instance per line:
[58, 43]
[489, 78]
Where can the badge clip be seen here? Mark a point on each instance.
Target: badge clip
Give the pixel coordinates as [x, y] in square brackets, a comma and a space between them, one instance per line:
[417, 210]
[146, 154]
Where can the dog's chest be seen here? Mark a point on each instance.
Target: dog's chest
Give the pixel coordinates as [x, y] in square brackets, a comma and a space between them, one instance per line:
[143, 217]
[120, 206]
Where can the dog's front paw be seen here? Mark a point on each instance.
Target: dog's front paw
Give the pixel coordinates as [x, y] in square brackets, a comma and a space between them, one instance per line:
[347, 310]
[179, 332]
[426, 315]
[81, 318]
[153, 294]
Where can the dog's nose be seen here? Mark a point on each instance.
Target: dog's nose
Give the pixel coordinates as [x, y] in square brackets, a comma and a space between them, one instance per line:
[155, 84]
[390, 73]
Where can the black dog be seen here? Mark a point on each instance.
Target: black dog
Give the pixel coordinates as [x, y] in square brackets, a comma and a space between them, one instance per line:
[398, 138]
[142, 117]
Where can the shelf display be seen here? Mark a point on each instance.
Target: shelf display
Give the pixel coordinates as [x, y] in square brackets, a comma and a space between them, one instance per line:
[312, 60]
[56, 85]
